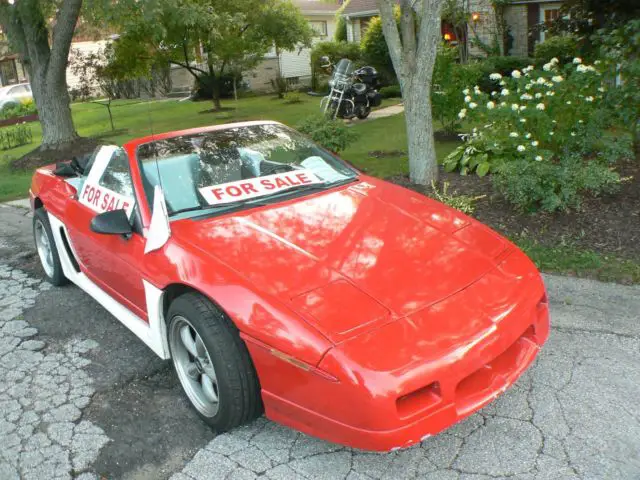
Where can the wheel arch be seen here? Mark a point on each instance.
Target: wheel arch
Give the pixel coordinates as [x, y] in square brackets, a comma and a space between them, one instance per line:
[37, 203]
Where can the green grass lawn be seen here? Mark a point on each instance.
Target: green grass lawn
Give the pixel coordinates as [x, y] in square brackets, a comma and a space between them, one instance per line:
[134, 119]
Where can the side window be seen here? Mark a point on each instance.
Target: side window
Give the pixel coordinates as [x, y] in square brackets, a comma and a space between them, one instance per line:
[108, 185]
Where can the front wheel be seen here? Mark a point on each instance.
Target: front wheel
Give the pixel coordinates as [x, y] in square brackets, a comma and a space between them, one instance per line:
[212, 363]
[46, 248]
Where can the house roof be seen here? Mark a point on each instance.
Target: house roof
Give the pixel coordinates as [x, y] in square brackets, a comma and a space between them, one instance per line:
[317, 7]
[357, 8]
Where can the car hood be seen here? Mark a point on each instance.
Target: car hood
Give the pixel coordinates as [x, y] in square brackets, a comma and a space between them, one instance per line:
[352, 257]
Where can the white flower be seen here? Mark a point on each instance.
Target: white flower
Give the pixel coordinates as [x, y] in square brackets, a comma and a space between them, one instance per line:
[528, 86]
[521, 148]
[503, 83]
[523, 107]
[516, 74]
[466, 91]
[495, 76]
[577, 60]
[597, 62]
[550, 93]
[467, 99]
[527, 136]
[568, 102]
[580, 121]
[535, 143]
[602, 90]
[462, 114]
[503, 104]
[552, 133]
[538, 158]
[589, 99]
[585, 68]
[494, 94]
[547, 67]
[541, 81]
[526, 96]
[540, 106]
[573, 134]
[473, 105]
[538, 95]
[504, 92]
[554, 121]
[491, 105]
[523, 120]
[514, 135]
[557, 78]
[515, 107]
[555, 61]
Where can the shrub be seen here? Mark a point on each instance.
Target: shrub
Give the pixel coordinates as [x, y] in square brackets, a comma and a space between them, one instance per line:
[335, 51]
[375, 51]
[27, 107]
[292, 97]
[551, 186]
[502, 65]
[563, 48]
[391, 91]
[548, 120]
[14, 136]
[449, 79]
[333, 135]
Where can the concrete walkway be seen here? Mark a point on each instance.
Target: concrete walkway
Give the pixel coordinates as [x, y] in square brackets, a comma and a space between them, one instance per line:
[380, 113]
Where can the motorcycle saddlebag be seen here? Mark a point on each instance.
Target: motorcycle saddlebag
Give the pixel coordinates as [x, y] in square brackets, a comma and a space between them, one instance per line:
[375, 99]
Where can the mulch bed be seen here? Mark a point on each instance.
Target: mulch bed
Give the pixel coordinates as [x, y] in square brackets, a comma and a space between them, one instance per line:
[607, 225]
[12, 121]
[38, 157]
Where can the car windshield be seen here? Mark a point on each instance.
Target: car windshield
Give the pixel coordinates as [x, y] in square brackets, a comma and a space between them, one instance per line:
[237, 167]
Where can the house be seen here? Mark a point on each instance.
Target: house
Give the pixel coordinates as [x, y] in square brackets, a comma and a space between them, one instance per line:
[521, 18]
[295, 66]
[11, 69]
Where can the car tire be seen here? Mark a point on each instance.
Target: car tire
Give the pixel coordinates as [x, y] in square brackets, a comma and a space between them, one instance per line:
[221, 367]
[46, 249]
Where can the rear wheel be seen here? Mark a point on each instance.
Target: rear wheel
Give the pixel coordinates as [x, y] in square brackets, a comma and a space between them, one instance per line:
[362, 111]
[46, 248]
[212, 363]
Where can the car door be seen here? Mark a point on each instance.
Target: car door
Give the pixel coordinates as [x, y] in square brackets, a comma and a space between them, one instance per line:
[20, 93]
[110, 261]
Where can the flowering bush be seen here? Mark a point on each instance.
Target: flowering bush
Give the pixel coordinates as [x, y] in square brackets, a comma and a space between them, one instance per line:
[539, 115]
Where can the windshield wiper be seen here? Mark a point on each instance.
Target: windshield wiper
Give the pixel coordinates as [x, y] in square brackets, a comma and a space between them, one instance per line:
[222, 206]
[313, 186]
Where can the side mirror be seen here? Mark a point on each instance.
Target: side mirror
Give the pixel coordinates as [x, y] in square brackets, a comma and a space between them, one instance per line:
[114, 222]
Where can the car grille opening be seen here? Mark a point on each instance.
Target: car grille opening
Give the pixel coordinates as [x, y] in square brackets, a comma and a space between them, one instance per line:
[491, 379]
[419, 400]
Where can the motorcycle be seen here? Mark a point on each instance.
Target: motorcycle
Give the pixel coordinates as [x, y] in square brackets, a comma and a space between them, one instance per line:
[353, 92]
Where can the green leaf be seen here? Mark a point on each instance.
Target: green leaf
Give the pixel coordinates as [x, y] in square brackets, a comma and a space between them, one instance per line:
[483, 169]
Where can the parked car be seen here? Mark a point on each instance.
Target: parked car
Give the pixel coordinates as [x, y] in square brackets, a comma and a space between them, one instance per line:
[14, 95]
[277, 277]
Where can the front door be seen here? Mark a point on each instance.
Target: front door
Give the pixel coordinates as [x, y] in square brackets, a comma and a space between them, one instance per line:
[111, 261]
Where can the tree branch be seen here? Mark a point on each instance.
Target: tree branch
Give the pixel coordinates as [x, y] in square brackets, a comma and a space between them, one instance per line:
[62, 35]
[392, 36]
[190, 68]
[408, 29]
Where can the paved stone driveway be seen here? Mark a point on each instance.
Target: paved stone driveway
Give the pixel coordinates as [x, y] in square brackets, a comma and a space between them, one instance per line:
[81, 397]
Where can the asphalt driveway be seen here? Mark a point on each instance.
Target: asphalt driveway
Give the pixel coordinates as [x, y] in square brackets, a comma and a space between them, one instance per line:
[81, 397]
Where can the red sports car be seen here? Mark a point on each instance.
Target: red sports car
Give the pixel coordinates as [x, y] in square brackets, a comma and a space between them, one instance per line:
[275, 276]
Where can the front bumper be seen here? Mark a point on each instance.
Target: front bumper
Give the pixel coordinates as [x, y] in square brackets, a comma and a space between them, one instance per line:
[460, 398]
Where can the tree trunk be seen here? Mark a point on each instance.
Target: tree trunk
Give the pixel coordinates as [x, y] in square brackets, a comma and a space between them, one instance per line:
[52, 100]
[423, 167]
[28, 30]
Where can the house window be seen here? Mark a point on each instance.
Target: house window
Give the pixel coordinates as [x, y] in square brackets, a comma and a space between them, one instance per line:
[320, 27]
[293, 81]
[548, 15]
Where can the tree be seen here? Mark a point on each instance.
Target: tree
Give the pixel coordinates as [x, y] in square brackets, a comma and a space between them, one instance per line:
[43, 47]
[212, 39]
[413, 48]
[375, 51]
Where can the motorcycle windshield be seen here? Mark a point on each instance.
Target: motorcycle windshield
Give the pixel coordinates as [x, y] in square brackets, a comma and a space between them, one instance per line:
[343, 69]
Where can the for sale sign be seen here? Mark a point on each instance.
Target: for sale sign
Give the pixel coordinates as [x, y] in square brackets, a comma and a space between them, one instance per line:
[101, 199]
[258, 186]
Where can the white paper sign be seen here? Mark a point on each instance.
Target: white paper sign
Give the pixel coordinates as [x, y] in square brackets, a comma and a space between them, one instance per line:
[258, 187]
